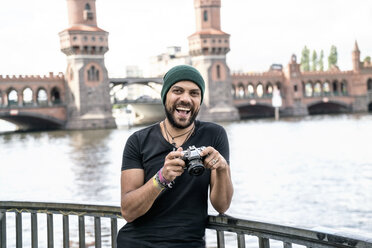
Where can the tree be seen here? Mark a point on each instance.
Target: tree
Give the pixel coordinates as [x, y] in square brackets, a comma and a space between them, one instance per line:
[314, 60]
[367, 60]
[332, 58]
[320, 62]
[305, 59]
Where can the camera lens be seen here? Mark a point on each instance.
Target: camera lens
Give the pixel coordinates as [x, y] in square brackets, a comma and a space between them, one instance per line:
[196, 167]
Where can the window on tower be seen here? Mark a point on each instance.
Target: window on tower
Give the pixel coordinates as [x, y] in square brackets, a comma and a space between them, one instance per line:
[93, 74]
[88, 14]
[205, 14]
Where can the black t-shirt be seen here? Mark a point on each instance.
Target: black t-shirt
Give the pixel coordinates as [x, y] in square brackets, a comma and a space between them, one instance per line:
[178, 216]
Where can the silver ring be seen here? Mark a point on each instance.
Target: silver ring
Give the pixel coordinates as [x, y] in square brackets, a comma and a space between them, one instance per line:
[214, 161]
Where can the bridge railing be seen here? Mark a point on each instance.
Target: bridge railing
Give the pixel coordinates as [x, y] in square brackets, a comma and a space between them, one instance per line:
[265, 232]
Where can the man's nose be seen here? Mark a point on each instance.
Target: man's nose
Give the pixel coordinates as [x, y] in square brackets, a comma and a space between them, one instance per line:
[185, 97]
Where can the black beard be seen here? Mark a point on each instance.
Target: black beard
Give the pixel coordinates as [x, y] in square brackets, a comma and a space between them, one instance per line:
[172, 121]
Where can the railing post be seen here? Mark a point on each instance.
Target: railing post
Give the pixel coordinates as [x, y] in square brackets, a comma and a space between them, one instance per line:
[241, 240]
[81, 231]
[2, 229]
[34, 240]
[263, 242]
[220, 239]
[50, 230]
[114, 232]
[18, 229]
[97, 231]
[66, 231]
[287, 245]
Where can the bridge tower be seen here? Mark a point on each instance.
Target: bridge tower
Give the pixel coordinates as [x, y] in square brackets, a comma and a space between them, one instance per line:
[85, 44]
[356, 58]
[208, 47]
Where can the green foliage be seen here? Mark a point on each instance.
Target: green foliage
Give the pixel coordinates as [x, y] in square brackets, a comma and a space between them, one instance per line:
[314, 60]
[305, 59]
[367, 59]
[320, 62]
[332, 58]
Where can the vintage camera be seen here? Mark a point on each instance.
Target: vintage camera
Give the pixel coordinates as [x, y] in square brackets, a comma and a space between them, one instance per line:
[194, 161]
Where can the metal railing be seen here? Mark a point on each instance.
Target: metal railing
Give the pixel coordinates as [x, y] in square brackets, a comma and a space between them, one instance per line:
[265, 232]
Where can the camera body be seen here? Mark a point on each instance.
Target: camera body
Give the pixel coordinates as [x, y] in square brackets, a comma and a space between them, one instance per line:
[193, 160]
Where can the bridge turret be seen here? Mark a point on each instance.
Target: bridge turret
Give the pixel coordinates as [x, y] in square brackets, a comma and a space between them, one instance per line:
[208, 47]
[209, 38]
[356, 58]
[83, 36]
[85, 44]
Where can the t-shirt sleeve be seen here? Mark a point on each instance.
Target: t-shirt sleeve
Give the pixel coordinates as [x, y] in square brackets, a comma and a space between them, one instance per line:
[222, 144]
[132, 158]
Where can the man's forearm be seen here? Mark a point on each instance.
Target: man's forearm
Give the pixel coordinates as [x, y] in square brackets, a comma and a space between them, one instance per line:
[221, 189]
[137, 202]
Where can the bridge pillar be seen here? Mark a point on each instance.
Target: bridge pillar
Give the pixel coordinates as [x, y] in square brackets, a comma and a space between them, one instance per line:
[208, 47]
[88, 97]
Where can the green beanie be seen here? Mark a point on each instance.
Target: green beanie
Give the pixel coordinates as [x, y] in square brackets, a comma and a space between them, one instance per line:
[181, 73]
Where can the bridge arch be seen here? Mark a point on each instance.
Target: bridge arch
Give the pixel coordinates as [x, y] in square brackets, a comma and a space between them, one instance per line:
[259, 90]
[327, 107]
[241, 90]
[55, 95]
[27, 96]
[32, 121]
[42, 96]
[250, 90]
[257, 110]
[343, 87]
[335, 87]
[317, 88]
[12, 96]
[326, 88]
[269, 89]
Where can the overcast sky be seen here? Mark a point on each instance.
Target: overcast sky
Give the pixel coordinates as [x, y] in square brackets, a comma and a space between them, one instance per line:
[262, 31]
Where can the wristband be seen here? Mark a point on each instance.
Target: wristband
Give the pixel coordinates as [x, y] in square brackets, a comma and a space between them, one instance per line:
[161, 178]
[157, 184]
[162, 181]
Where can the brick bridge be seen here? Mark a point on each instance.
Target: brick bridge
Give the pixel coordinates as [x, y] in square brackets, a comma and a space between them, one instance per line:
[40, 102]
[33, 101]
[303, 93]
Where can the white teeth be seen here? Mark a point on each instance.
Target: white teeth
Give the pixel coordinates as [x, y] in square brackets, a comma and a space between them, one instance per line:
[183, 109]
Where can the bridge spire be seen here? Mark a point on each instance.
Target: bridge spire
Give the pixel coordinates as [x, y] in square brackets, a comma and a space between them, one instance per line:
[356, 58]
[208, 47]
[85, 44]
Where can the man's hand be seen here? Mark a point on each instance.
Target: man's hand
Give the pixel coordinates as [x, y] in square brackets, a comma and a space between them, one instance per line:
[173, 165]
[214, 160]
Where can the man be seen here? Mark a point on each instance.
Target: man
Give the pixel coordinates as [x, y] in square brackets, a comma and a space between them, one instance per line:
[164, 205]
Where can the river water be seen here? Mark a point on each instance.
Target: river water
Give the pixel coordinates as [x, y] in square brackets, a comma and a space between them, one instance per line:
[310, 172]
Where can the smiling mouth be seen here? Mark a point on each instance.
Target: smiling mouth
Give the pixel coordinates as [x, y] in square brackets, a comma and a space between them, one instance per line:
[183, 110]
